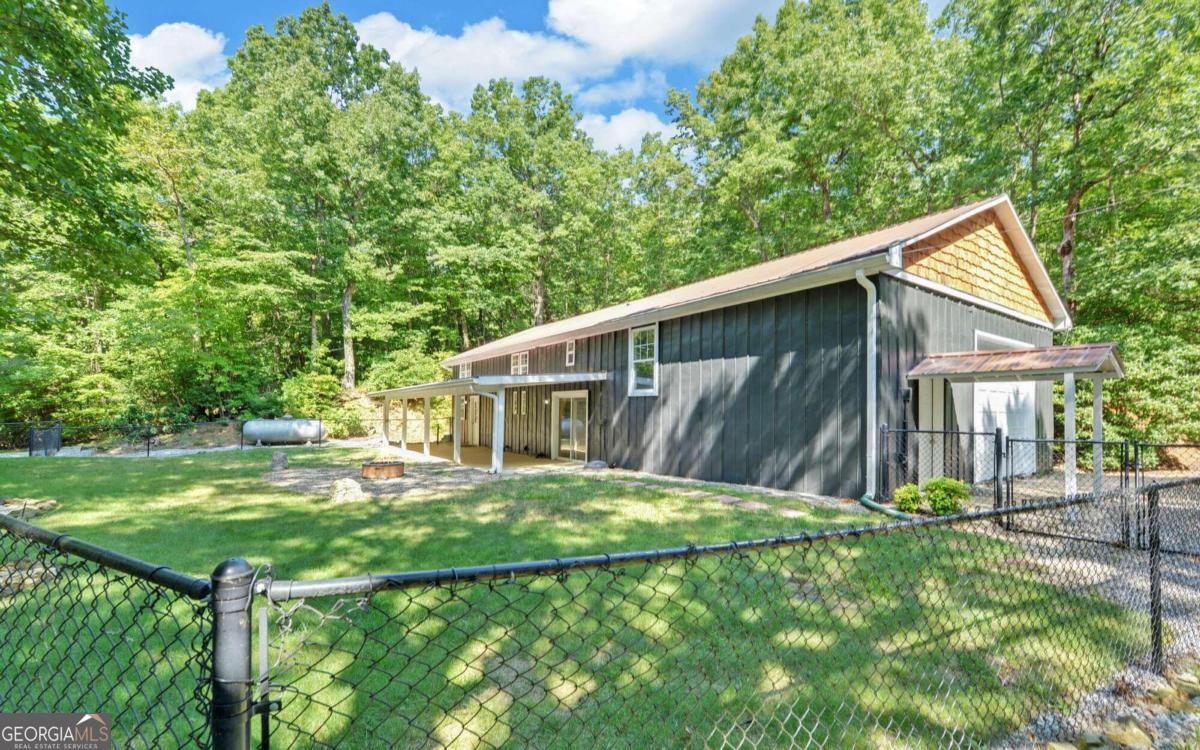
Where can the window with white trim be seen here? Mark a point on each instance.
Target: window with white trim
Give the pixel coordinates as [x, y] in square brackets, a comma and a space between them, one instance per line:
[464, 371]
[518, 364]
[643, 361]
[524, 393]
[571, 353]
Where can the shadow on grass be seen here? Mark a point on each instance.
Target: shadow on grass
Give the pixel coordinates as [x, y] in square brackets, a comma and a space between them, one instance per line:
[914, 637]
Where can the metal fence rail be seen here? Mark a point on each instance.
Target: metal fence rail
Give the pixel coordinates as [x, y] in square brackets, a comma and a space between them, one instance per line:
[934, 633]
[963, 631]
[85, 629]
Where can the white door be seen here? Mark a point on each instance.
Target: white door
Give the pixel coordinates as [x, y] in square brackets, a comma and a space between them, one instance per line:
[1007, 405]
[570, 425]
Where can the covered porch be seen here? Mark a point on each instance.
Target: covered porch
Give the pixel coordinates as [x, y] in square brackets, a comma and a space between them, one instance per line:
[491, 387]
[1093, 362]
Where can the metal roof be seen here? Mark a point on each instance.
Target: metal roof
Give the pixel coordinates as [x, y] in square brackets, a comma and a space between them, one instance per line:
[826, 264]
[1043, 363]
[487, 384]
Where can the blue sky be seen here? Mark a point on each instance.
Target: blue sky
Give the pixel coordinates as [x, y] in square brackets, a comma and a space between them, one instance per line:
[617, 56]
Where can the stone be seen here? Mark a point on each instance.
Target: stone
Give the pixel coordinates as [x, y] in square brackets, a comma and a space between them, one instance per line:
[595, 465]
[1091, 738]
[1127, 734]
[727, 499]
[24, 507]
[1187, 683]
[19, 575]
[791, 513]
[278, 461]
[347, 490]
[753, 505]
[1060, 746]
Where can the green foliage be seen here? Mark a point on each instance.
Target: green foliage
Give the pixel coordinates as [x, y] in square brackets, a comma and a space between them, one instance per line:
[315, 395]
[310, 395]
[907, 498]
[945, 495]
[410, 366]
[319, 213]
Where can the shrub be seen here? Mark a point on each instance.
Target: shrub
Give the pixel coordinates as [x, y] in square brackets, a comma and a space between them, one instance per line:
[907, 498]
[946, 495]
[317, 396]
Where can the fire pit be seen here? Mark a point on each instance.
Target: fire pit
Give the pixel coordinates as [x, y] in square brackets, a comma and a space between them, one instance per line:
[383, 470]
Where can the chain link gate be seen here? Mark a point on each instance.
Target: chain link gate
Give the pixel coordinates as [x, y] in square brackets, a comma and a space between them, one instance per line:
[45, 441]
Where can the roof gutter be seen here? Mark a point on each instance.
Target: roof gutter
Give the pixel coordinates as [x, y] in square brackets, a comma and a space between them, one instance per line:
[872, 262]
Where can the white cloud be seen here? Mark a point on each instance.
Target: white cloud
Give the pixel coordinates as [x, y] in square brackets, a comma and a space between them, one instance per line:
[451, 66]
[190, 54]
[677, 31]
[626, 91]
[624, 129]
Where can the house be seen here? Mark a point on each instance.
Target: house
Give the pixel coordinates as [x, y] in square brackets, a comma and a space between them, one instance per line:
[780, 374]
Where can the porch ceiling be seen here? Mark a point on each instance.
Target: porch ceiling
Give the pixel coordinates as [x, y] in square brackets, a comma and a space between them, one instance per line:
[1042, 363]
[487, 384]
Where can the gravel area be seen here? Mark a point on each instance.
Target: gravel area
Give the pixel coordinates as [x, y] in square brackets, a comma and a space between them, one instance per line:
[1122, 576]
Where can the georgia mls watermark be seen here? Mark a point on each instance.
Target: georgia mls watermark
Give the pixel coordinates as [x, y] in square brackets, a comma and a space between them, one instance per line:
[55, 732]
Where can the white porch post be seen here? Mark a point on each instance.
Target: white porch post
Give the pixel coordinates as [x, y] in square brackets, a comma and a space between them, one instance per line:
[404, 424]
[425, 417]
[1069, 463]
[498, 432]
[1097, 435]
[387, 423]
[456, 426]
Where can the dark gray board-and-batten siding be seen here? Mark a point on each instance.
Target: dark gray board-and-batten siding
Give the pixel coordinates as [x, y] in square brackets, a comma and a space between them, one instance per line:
[767, 393]
[916, 322]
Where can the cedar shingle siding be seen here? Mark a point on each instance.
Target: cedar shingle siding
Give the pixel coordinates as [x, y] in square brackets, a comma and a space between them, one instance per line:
[977, 257]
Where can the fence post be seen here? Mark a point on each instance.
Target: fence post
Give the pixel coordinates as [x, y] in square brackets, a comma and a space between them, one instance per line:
[998, 469]
[1156, 625]
[230, 602]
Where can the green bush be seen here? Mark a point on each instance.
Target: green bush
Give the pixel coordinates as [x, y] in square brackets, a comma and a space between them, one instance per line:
[907, 498]
[946, 495]
[317, 396]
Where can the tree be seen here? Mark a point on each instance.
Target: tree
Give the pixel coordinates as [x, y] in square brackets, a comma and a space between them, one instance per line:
[1082, 95]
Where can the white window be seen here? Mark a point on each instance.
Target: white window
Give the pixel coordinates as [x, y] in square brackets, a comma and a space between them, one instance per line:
[643, 361]
[464, 371]
[519, 363]
[571, 353]
[523, 394]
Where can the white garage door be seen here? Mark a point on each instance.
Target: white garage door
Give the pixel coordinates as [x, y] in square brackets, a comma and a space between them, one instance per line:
[1009, 406]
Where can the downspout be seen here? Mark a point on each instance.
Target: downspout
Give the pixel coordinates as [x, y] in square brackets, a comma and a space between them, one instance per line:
[868, 499]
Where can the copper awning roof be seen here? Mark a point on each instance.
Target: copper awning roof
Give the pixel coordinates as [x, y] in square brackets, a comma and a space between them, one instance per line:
[1043, 363]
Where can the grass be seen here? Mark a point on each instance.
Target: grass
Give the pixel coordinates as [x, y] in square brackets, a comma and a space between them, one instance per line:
[869, 641]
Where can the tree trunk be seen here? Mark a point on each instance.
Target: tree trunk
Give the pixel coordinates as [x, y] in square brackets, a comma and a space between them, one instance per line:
[464, 330]
[539, 297]
[348, 374]
[313, 352]
[1066, 248]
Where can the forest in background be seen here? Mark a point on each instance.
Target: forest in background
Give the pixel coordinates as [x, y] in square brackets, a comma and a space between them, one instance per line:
[319, 220]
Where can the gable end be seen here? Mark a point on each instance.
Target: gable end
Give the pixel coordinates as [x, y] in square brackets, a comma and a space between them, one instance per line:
[977, 257]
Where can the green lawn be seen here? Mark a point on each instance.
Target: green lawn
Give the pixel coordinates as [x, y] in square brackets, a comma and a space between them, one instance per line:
[866, 642]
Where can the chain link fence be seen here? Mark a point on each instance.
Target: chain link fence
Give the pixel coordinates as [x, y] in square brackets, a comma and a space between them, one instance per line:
[987, 628]
[954, 632]
[87, 630]
[916, 456]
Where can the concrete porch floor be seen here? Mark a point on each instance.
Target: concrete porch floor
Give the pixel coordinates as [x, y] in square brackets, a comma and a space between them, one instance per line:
[480, 457]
